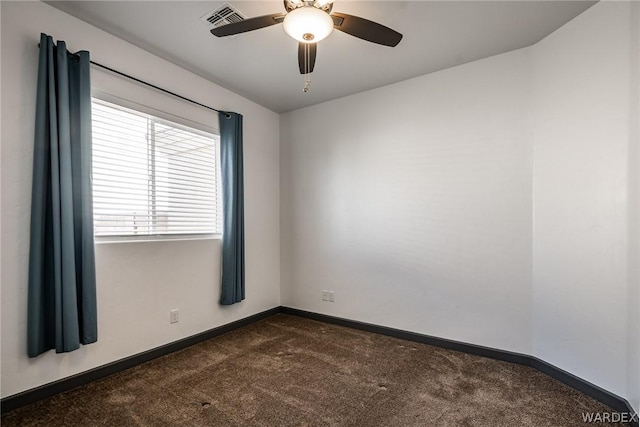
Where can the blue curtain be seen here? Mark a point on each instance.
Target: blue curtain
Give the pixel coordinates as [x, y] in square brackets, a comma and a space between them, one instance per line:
[233, 208]
[62, 285]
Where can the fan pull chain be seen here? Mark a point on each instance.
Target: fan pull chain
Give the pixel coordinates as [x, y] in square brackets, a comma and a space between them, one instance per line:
[307, 83]
[307, 76]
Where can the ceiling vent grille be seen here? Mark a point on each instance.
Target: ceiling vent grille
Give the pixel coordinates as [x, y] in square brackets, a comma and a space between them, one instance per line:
[225, 14]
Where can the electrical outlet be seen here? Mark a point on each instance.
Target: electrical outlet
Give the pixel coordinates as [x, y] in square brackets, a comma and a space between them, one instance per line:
[173, 316]
[327, 296]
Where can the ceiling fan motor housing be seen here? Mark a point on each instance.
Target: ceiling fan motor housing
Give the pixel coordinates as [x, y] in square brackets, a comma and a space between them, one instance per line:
[325, 5]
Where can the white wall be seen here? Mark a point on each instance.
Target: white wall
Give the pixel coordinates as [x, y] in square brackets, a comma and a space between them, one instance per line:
[634, 215]
[423, 205]
[413, 203]
[138, 283]
[633, 360]
[581, 285]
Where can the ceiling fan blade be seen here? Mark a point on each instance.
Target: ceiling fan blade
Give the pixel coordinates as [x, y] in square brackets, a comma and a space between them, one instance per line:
[307, 57]
[248, 25]
[365, 29]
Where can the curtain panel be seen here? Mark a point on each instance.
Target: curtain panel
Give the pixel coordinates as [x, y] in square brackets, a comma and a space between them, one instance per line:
[231, 168]
[62, 310]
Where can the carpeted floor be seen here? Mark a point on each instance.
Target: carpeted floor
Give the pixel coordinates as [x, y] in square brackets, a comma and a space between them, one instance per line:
[290, 371]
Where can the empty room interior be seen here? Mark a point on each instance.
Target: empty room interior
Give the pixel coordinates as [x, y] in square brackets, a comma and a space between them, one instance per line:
[340, 213]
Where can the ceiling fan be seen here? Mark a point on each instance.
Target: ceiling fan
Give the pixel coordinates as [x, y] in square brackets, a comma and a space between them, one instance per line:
[310, 21]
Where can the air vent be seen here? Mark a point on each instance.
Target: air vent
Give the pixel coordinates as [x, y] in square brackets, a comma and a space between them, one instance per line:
[225, 14]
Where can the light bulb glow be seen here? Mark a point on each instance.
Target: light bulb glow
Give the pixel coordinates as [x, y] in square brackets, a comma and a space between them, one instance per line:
[308, 24]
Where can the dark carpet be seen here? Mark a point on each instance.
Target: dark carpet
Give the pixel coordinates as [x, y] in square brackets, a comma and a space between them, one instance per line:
[290, 371]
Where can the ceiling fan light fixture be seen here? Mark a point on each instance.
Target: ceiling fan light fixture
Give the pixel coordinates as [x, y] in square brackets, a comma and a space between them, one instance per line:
[308, 24]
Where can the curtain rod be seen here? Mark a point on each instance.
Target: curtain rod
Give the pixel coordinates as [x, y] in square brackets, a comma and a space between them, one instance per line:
[153, 86]
[157, 87]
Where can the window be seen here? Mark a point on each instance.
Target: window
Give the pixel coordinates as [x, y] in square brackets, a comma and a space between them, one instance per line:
[152, 177]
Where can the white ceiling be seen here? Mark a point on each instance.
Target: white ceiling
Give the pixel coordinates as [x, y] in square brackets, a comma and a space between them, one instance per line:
[262, 65]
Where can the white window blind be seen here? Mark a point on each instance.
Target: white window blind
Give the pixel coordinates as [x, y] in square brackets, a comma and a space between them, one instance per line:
[152, 177]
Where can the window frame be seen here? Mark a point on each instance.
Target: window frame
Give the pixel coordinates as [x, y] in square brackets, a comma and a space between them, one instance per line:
[172, 119]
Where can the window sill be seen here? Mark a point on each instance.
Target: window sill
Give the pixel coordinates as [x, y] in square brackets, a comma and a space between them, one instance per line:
[99, 240]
